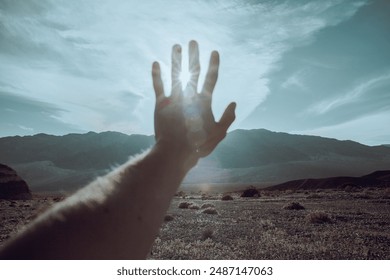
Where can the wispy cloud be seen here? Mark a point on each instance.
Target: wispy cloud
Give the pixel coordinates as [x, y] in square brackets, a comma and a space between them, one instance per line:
[368, 129]
[297, 80]
[352, 96]
[28, 129]
[22, 115]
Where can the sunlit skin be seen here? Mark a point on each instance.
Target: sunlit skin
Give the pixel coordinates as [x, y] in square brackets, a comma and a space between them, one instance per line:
[187, 111]
[118, 216]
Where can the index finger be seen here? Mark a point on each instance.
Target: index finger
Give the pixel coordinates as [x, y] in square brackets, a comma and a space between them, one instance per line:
[157, 82]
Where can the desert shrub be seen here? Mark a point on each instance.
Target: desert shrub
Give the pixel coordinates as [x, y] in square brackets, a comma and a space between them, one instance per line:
[314, 196]
[364, 195]
[58, 199]
[227, 197]
[318, 218]
[180, 194]
[267, 193]
[294, 206]
[184, 205]
[210, 211]
[251, 192]
[386, 194]
[194, 207]
[207, 233]
[352, 188]
[168, 218]
[266, 224]
[207, 205]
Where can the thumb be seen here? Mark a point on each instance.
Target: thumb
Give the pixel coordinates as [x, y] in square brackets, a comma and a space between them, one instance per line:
[228, 116]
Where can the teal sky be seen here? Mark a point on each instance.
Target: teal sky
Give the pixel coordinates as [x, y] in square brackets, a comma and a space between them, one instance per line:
[308, 67]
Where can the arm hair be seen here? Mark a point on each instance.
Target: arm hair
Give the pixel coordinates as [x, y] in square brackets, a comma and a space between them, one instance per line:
[115, 217]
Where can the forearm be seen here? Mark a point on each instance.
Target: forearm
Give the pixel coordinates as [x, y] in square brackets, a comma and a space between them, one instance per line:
[115, 217]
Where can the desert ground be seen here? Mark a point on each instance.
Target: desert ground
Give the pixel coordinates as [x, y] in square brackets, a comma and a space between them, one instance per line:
[332, 224]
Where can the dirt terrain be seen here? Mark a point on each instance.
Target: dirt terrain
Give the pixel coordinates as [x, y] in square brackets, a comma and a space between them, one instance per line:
[332, 225]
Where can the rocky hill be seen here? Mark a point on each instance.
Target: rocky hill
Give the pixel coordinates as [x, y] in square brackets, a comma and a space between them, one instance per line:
[11, 185]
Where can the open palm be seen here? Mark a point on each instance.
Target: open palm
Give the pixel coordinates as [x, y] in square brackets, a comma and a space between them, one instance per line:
[185, 119]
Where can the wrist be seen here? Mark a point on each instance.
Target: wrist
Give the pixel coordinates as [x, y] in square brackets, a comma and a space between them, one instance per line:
[179, 154]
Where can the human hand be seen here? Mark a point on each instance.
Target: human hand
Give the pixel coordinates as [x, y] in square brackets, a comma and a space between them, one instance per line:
[184, 120]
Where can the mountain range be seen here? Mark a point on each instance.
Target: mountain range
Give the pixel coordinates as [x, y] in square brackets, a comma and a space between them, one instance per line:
[55, 163]
[377, 179]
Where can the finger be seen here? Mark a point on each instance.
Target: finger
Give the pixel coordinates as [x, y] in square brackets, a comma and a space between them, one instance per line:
[176, 69]
[157, 82]
[228, 116]
[212, 74]
[193, 66]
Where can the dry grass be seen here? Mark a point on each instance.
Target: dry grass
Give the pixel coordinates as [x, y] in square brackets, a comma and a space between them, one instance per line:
[337, 226]
[359, 227]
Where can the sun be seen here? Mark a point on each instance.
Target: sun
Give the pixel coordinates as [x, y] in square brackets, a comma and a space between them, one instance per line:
[185, 77]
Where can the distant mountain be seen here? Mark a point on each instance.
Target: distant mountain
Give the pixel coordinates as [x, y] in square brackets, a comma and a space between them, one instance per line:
[68, 162]
[380, 179]
[74, 151]
[258, 147]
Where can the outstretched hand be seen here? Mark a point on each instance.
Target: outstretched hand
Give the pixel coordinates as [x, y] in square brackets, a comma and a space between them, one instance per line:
[184, 120]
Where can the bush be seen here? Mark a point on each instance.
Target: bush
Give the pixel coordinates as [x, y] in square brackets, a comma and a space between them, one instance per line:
[210, 211]
[227, 197]
[168, 218]
[352, 188]
[294, 206]
[318, 218]
[207, 205]
[194, 207]
[184, 205]
[207, 234]
[180, 194]
[58, 199]
[386, 194]
[251, 192]
[314, 196]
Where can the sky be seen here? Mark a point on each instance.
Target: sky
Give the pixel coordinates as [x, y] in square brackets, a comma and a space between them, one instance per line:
[305, 67]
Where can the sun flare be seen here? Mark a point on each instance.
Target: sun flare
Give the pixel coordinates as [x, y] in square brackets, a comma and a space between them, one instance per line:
[185, 78]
